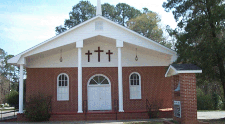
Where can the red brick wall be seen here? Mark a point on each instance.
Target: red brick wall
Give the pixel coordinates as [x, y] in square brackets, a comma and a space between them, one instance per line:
[187, 96]
[44, 80]
[155, 87]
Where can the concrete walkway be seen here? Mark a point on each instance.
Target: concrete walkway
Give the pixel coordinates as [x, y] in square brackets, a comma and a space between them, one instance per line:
[94, 122]
[201, 115]
[7, 114]
[211, 115]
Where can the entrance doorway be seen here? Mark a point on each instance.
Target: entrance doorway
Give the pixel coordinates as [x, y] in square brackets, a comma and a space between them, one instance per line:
[99, 93]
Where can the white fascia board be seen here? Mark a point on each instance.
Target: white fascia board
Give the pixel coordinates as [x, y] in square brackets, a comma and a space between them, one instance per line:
[189, 71]
[133, 32]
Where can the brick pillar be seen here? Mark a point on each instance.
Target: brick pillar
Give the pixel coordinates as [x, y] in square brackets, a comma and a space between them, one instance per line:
[188, 98]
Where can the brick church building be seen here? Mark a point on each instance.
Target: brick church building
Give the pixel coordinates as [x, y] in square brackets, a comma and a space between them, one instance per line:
[99, 67]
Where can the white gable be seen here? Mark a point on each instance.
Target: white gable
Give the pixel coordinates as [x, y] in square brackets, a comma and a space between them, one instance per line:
[97, 26]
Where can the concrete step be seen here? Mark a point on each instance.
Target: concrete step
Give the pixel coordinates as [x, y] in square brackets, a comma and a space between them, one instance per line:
[98, 116]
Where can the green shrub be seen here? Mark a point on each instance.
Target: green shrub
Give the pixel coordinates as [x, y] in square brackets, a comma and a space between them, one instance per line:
[218, 103]
[153, 114]
[155, 105]
[204, 102]
[210, 101]
[13, 98]
[38, 108]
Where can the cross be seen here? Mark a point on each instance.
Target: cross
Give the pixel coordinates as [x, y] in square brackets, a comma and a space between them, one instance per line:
[88, 53]
[99, 51]
[109, 53]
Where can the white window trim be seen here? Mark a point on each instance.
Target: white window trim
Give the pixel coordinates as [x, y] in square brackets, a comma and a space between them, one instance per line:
[139, 85]
[67, 86]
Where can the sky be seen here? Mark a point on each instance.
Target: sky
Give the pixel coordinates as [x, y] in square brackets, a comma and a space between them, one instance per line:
[26, 23]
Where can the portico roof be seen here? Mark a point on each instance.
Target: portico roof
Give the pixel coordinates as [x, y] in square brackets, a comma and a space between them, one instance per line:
[175, 69]
[129, 36]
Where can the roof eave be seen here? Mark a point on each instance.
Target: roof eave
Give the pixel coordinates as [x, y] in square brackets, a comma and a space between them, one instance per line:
[168, 74]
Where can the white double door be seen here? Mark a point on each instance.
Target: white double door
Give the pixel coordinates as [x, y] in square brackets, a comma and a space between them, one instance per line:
[99, 97]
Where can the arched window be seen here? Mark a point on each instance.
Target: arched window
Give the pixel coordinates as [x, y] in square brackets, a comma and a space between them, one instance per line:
[135, 85]
[62, 87]
[98, 79]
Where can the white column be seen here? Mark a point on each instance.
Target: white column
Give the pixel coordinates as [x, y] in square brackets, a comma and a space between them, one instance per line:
[79, 45]
[79, 81]
[119, 45]
[21, 90]
[120, 83]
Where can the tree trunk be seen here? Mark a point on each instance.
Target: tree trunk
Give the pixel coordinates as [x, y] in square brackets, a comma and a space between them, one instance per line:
[222, 73]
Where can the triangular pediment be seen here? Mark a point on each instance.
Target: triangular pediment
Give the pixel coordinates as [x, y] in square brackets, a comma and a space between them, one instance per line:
[91, 28]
